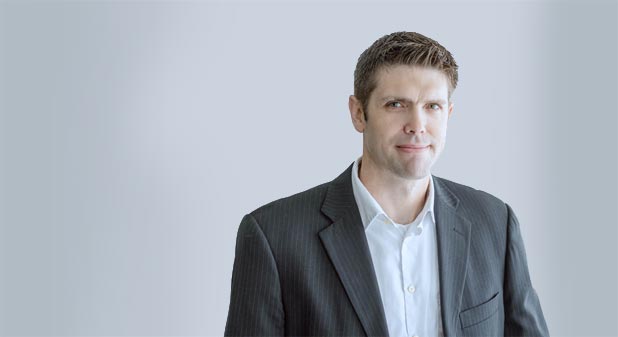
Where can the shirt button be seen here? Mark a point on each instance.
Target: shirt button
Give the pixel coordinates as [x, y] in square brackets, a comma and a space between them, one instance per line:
[411, 289]
[418, 230]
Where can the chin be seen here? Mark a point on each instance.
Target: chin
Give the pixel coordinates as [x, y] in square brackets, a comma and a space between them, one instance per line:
[414, 174]
[419, 176]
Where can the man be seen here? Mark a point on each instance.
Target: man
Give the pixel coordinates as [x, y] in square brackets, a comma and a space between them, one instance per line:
[387, 248]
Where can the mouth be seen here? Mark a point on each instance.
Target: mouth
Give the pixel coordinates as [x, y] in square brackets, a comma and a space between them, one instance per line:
[412, 148]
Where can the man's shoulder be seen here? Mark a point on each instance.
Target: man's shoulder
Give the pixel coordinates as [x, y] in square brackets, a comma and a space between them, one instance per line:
[471, 198]
[295, 205]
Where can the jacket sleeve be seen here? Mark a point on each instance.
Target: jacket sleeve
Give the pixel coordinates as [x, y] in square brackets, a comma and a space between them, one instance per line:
[255, 308]
[523, 315]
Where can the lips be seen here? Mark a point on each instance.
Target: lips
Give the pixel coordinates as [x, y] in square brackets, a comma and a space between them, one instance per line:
[412, 148]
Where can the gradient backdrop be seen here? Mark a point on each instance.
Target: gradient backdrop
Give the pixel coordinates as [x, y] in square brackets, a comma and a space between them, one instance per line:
[135, 136]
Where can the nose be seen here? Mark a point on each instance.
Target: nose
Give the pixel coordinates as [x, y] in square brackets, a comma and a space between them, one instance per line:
[415, 122]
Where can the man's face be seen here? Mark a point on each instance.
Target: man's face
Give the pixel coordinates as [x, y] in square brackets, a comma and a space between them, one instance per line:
[407, 116]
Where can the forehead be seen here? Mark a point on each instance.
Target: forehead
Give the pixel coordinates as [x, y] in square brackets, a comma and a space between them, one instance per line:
[410, 81]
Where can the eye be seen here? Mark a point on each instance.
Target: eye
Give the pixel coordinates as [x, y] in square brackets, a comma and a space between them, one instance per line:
[434, 106]
[394, 104]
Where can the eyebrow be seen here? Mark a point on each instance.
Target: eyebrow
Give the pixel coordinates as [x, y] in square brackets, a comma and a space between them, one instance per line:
[403, 99]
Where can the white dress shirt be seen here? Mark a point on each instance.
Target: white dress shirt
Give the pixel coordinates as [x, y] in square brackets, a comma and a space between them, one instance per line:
[405, 258]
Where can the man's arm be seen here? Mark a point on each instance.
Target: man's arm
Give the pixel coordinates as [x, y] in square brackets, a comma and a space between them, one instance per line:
[256, 308]
[523, 315]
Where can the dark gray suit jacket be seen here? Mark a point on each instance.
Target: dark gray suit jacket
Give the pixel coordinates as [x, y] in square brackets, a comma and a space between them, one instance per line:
[303, 267]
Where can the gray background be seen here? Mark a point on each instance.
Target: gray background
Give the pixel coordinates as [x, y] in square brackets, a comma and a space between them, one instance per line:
[135, 136]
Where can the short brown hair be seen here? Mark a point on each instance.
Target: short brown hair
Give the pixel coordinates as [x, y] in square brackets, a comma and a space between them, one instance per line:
[407, 48]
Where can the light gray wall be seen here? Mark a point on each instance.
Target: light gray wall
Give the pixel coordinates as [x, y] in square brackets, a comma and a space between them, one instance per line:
[135, 136]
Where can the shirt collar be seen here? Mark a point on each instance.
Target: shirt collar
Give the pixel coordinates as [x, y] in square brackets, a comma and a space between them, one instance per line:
[369, 208]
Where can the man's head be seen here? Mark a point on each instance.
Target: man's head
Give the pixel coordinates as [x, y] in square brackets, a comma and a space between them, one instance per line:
[407, 48]
[401, 103]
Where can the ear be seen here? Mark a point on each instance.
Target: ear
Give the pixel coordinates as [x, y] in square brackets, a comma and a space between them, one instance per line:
[356, 113]
[450, 109]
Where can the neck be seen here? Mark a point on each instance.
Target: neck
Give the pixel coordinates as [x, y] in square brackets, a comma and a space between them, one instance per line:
[402, 199]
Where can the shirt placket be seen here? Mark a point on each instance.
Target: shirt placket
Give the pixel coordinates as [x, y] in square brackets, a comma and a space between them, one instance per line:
[411, 271]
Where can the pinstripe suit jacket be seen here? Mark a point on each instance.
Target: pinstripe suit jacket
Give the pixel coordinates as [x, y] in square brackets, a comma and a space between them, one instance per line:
[303, 267]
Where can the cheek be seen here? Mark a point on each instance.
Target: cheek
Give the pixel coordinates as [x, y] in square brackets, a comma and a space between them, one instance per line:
[386, 131]
[442, 136]
[440, 129]
[382, 132]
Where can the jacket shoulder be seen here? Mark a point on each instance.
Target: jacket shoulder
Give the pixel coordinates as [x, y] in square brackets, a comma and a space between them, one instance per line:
[478, 201]
[297, 208]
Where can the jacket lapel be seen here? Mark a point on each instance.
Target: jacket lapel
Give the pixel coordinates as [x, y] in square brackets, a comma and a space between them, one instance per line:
[346, 245]
[453, 236]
